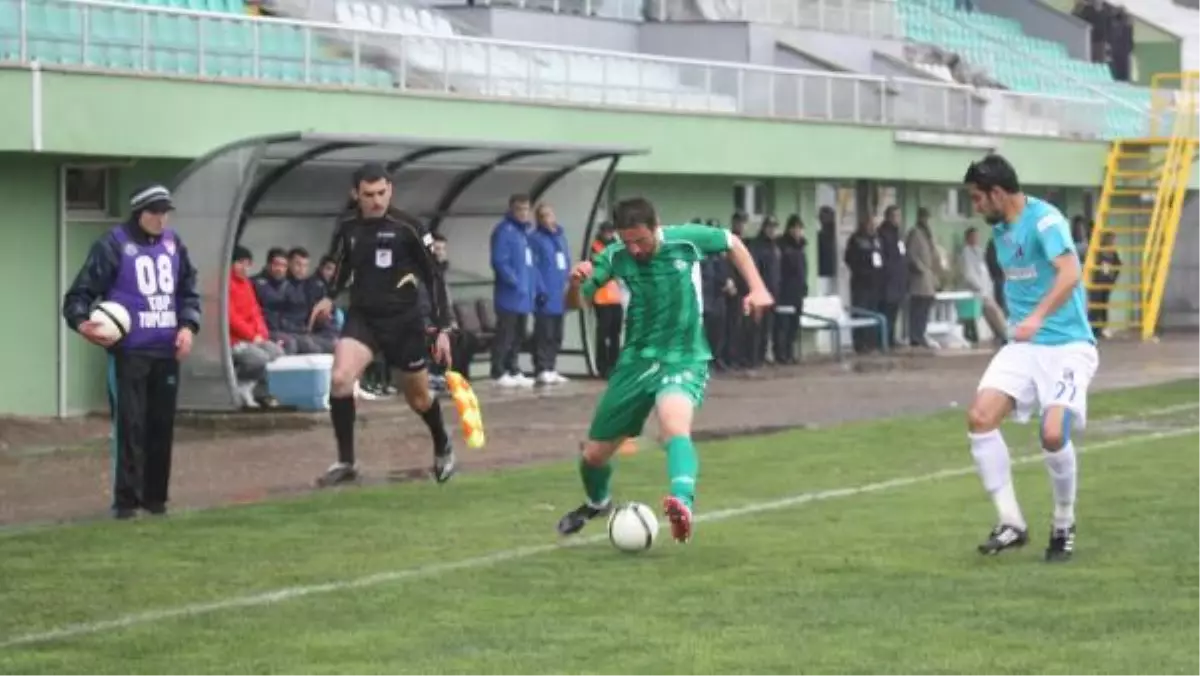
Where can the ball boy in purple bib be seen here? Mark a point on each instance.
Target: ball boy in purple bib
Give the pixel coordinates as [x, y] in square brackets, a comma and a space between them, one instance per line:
[144, 266]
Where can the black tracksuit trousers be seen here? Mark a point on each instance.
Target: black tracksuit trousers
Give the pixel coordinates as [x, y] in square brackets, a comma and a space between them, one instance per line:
[142, 393]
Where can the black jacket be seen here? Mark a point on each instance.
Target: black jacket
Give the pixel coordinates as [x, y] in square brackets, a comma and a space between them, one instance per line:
[284, 303]
[895, 264]
[100, 270]
[393, 286]
[865, 276]
[714, 272]
[827, 250]
[765, 252]
[793, 272]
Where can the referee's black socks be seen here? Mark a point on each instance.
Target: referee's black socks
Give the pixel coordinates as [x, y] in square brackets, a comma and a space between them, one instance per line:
[342, 411]
[437, 427]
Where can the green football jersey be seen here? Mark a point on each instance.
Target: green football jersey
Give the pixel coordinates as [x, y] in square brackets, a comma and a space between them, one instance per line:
[664, 306]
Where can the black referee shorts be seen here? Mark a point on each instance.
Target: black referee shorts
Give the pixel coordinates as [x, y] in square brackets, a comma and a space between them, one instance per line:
[401, 339]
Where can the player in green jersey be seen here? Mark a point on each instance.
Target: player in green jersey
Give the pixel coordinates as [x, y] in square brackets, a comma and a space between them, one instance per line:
[663, 364]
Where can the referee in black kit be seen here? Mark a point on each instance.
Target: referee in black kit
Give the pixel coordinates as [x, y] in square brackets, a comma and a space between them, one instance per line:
[143, 266]
[384, 256]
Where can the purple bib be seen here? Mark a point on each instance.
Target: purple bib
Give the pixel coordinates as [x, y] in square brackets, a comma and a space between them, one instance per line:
[145, 286]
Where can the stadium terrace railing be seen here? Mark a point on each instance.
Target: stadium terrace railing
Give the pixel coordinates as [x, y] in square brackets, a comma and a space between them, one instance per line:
[873, 18]
[205, 46]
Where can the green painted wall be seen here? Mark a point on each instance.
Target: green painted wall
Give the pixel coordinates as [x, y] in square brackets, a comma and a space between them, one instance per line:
[28, 272]
[192, 118]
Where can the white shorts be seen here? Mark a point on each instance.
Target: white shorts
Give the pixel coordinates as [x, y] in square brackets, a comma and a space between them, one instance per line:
[1043, 376]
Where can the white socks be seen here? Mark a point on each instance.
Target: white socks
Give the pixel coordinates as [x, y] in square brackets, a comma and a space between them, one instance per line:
[1061, 466]
[995, 471]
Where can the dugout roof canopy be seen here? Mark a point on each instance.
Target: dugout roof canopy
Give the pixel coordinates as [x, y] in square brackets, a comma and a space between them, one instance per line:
[289, 187]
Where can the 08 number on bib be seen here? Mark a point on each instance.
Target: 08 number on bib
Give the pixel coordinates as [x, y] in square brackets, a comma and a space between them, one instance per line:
[155, 275]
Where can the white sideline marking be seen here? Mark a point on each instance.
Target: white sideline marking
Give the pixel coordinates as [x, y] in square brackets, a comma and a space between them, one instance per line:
[289, 593]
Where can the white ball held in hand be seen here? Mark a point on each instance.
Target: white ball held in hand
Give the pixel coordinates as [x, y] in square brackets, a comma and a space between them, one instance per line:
[112, 318]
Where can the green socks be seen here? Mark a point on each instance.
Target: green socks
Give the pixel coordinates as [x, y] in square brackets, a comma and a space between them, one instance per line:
[682, 466]
[596, 481]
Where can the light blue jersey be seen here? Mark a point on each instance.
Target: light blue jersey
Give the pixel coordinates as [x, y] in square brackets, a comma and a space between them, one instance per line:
[1026, 251]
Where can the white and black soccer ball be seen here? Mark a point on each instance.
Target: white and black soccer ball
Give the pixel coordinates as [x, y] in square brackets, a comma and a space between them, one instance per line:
[113, 319]
[632, 527]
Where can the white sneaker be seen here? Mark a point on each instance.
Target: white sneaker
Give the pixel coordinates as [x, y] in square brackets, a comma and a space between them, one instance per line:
[546, 378]
[523, 380]
[559, 379]
[246, 395]
[506, 380]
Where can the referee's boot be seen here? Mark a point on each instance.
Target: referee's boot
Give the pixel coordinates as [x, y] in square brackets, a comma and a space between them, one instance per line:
[338, 473]
[444, 462]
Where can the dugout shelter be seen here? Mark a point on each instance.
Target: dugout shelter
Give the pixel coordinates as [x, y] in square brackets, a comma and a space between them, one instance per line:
[287, 189]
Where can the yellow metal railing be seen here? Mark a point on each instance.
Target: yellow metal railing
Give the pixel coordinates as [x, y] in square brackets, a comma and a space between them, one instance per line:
[1176, 106]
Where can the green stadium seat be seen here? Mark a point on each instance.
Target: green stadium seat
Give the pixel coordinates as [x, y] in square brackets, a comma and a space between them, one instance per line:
[994, 53]
[115, 41]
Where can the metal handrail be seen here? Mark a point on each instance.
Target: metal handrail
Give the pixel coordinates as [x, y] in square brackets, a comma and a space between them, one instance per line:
[749, 87]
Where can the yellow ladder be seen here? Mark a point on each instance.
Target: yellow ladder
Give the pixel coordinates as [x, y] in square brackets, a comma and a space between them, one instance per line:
[1145, 185]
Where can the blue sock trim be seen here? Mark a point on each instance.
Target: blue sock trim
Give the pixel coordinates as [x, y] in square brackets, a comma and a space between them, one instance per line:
[1067, 423]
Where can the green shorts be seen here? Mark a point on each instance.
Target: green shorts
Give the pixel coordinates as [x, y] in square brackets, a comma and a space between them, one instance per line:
[634, 388]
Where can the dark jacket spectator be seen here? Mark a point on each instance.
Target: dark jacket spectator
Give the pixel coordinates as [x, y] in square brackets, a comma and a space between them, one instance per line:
[827, 243]
[714, 273]
[512, 263]
[864, 259]
[765, 250]
[895, 263]
[793, 287]
[284, 304]
[552, 262]
[793, 265]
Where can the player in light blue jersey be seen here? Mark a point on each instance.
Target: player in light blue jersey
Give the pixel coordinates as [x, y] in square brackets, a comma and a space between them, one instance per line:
[1049, 362]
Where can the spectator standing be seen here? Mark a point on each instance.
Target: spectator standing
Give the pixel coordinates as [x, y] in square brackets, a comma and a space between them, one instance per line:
[1108, 269]
[144, 266]
[514, 291]
[997, 274]
[715, 286]
[826, 251]
[974, 270]
[864, 259]
[249, 337]
[925, 277]
[793, 287]
[895, 268]
[765, 250]
[738, 352]
[610, 312]
[1120, 45]
[552, 261]
[1079, 235]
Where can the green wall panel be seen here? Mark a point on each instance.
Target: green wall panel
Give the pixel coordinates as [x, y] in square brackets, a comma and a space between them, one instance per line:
[192, 118]
[16, 113]
[28, 269]
[86, 364]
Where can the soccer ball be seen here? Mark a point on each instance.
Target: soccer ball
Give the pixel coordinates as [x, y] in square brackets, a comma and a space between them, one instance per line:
[632, 527]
